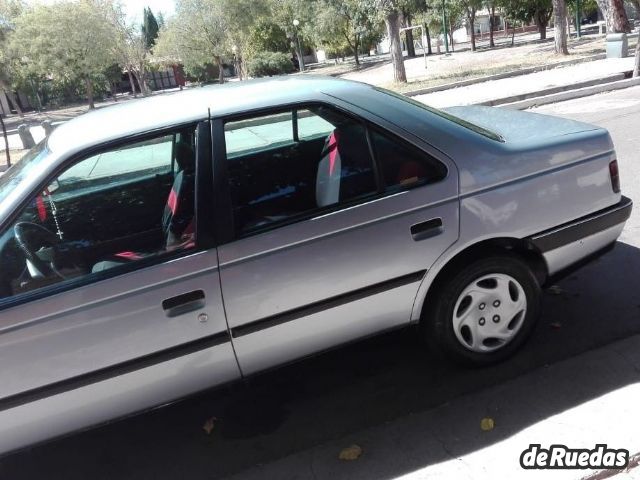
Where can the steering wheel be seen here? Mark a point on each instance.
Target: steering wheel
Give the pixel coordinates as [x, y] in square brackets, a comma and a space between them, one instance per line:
[39, 246]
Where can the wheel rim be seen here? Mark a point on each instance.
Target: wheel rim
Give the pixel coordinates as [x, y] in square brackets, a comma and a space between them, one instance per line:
[489, 313]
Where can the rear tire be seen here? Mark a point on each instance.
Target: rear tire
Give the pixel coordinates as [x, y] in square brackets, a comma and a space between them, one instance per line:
[482, 314]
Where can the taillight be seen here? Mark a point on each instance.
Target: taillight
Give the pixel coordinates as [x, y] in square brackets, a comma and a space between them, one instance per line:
[615, 176]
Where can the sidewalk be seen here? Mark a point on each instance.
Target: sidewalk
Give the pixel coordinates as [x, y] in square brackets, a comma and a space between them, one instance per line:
[527, 84]
[587, 400]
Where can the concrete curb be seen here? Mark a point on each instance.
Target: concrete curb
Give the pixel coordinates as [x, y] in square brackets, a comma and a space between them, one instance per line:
[571, 94]
[557, 89]
[499, 76]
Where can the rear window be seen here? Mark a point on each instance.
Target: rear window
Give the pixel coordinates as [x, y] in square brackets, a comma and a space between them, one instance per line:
[452, 118]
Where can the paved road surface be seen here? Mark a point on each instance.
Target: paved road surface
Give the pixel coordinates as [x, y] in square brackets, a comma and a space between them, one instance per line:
[369, 383]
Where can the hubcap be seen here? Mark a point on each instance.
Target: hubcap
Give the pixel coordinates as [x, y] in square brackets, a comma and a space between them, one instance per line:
[496, 297]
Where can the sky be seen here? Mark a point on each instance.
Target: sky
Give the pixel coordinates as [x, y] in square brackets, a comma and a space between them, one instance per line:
[134, 8]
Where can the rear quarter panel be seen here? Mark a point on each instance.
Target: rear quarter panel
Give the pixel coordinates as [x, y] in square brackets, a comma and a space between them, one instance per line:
[515, 191]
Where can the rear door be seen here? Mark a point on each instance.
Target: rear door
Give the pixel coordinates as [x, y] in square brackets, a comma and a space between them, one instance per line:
[85, 337]
[334, 224]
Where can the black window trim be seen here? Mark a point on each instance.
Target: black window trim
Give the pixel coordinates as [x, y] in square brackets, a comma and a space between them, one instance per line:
[225, 228]
[204, 228]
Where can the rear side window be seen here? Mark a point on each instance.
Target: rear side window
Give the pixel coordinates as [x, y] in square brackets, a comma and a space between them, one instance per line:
[256, 134]
[293, 164]
[403, 166]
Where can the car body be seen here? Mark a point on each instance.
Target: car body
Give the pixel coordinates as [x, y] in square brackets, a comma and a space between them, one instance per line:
[160, 247]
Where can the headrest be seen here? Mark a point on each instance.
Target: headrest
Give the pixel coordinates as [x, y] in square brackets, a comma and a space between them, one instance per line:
[185, 157]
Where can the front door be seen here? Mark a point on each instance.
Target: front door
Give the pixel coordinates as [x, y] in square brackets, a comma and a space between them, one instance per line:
[335, 223]
[109, 290]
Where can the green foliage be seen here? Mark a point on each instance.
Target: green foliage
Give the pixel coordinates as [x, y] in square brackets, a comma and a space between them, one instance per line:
[150, 28]
[346, 26]
[267, 64]
[267, 36]
[67, 42]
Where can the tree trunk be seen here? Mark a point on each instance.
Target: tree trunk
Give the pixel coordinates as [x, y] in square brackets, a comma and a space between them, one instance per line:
[132, 83]
[451, 36]
[6, 141]
[139, 81]
[411, 49]
[472, 25]
[619, 18]
[615, 15]
[513, 35]
[220, 70]
[541, 18]
[636, 68]
[428, 45]
[560, 26]
[393, 30]
[492, 25]
[356, 42]
[142, 79]
[89, 85]
[12, 96]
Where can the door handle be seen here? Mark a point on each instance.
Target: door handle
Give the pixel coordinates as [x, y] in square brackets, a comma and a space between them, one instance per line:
[427, 229]
[184, 303]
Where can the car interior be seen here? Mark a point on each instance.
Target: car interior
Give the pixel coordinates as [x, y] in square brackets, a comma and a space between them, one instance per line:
[82, 224]
[286, 181]
[317, 169]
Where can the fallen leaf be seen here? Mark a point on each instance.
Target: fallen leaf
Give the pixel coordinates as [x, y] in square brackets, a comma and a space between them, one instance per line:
[487, 424]
[209, 425]
[350, 453]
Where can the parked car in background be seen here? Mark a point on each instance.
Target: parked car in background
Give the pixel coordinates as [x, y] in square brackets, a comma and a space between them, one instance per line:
[156, 248]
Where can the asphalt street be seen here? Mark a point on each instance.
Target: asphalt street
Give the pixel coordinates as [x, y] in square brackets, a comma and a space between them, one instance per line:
[369, 383]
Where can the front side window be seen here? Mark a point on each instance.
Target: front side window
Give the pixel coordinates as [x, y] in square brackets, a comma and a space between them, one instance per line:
[104, 212]
[288, 165]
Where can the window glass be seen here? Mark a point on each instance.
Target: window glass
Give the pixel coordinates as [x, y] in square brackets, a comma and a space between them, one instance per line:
[258, 134]
[104, 212]
[311, 125]
[329, 164]
[403, 166]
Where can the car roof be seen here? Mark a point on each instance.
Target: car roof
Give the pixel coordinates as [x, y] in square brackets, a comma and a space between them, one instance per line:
[194, 104]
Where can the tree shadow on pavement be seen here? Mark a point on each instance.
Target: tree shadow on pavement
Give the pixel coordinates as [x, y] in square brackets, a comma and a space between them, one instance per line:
[358, 388]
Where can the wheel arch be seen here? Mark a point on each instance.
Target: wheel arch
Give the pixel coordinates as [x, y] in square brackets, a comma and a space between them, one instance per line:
[439, 273]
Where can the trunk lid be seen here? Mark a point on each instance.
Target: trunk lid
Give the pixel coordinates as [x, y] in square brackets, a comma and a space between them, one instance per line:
[517, 126]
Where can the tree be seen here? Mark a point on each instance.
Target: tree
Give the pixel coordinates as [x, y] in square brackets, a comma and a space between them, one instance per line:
[470, 7]
[542, 12]
[491, 6]
[50, 41]
[195, 36]
[344, 25]
[560, 26]
[518, 11]
[284, 12]
[410, 10]
[150, 28]
[241, 18]
[615, 16]
[390, 10]
[9, 11]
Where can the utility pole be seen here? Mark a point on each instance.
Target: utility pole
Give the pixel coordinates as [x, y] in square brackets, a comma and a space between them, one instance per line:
[444, 27]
